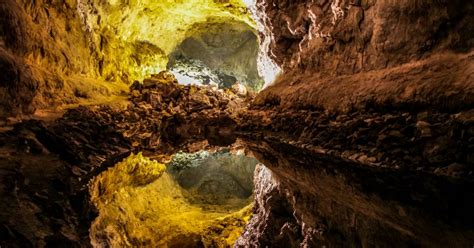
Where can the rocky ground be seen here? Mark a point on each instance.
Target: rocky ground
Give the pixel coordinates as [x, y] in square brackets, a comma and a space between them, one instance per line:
[436, 142]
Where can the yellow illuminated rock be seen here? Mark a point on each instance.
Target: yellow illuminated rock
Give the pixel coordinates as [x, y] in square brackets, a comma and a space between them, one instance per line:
[134, 37]
[140, 205]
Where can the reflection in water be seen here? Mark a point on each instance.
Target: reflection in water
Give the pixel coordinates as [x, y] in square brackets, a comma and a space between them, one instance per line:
[200, 200]
[314, 200]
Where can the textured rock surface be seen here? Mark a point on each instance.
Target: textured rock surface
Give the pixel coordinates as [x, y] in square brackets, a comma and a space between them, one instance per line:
[421, 141]
[220, 178]
[141, 204]
[346, 37]
[55, 53]
[340, 179]
[44, 56]
[229, 49]
[272, 215]
[367, 135]
[134, 38]
[340, 55]
[328, 188]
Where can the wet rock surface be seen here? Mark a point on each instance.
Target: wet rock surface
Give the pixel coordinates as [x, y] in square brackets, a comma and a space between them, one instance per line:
[214, 179]
[422, 141]
[364, 178]
[367, 133]
[312, 201]
[373, 178]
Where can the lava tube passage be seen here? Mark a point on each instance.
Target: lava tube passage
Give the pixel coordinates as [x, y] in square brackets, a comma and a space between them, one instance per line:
[236, 123]
[198, 199]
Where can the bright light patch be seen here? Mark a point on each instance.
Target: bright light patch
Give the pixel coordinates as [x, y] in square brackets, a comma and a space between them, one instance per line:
[249, 2]
[184, 79]
[268, 70]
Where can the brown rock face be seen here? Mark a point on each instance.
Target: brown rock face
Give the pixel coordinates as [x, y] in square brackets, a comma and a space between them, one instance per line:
[372, 178]
[341, 55]
[42, 45]
[335, 177]
[348, 36]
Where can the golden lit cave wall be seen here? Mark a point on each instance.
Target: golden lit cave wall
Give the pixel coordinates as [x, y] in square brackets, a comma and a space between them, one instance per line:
[133, 38]
[59, 52]
[44, 55]
[141, 205]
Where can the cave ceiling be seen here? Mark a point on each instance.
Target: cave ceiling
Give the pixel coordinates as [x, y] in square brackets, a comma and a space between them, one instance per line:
[137, 36]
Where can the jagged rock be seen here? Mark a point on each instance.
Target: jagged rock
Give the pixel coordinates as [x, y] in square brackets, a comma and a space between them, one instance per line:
[239, 89]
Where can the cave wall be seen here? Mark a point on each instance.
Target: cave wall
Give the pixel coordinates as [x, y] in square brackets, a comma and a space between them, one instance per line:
[56, 53]
[41, 44]
[350, 36]
[344, 54]
[347, 65]
[134, 38]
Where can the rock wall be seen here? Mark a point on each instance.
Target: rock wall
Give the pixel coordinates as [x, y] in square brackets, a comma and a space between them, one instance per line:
[339, 54]
[360, 180]
[56, 53]
[336, 178]
[350, 36]
[42, 44]
[134, 38]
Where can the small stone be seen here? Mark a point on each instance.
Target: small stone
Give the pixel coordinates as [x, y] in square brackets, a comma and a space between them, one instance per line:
[395, 133]
[372, 159]
[78, 171]
[423, 116]
[424, 128]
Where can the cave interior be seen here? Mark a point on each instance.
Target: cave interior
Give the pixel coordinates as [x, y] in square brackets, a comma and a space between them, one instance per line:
[236, 123]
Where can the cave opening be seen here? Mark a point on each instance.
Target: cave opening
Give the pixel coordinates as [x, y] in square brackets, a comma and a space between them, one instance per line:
[218, 52]
[200, 199]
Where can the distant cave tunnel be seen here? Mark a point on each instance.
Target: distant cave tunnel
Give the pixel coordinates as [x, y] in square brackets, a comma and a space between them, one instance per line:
[201, 199]
[218, 52]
